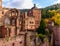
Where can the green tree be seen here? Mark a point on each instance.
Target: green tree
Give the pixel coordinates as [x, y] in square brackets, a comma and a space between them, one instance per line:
[44, 13]
[41, 30]
[42, 27]
[47, 14]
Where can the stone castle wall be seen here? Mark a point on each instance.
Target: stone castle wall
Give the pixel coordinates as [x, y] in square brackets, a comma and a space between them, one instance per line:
[18, 29]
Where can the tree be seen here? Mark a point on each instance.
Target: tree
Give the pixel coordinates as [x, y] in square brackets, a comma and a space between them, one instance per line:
[44, 13]
[41, 30]
[42, 27]
[47, 13]
[50, 14]
[57, 19]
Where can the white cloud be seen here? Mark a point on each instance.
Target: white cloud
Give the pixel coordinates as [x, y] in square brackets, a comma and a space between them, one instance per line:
[27, 4]
[38, 5]
[57, 1]
[18, 3]
[5, 0]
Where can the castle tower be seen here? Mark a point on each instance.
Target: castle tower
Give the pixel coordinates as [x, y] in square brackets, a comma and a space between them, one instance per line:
[36, 12]
[0, 4]
[1, 12]
[0, 8]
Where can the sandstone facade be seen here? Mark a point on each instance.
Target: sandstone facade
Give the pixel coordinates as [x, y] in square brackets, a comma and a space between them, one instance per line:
[18, 28]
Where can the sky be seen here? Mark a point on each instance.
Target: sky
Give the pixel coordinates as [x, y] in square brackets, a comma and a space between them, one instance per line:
[27, 4]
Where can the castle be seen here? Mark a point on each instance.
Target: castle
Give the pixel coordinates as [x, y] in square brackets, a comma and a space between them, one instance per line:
[18, 27]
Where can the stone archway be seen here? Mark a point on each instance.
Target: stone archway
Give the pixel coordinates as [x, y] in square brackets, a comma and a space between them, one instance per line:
[12, 19]
[14, 11]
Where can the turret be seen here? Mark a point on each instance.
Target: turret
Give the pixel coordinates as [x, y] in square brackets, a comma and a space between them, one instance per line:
[34, 7]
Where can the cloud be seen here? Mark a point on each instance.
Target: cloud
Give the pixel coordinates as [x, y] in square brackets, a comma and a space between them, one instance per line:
[38, 5]
[57, 1]
[20, 4]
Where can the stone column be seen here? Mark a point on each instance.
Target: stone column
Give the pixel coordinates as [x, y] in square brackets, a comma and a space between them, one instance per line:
[7, 32]
[18, 26]
[28, 39]
[12, 34]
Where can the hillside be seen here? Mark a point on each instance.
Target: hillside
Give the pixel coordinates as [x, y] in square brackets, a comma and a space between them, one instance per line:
[56, 6]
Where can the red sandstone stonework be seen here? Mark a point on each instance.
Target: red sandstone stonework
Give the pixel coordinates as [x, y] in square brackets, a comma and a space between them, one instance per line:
[18, 28]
